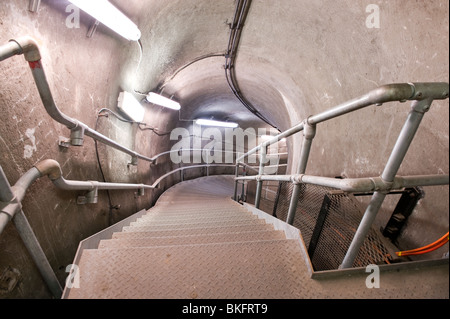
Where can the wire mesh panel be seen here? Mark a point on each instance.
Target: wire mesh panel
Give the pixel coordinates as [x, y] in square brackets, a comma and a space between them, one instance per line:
[328, 220]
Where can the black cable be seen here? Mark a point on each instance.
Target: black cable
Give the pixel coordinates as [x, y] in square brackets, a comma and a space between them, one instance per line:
[146, 126]
[110, 219]
[240, 15]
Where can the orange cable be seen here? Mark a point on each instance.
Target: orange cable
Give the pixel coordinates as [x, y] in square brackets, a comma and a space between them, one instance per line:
[425, 249]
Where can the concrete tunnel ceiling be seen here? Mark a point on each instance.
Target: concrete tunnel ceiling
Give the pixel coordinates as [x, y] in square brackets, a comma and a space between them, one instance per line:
[184, 43]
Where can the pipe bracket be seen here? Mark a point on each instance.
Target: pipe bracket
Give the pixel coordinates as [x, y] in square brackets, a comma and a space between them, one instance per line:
[10, 208]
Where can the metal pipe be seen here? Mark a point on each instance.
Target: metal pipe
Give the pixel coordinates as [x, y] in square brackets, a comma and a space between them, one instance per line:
[387, 93]
[236, 174]
[357, 185]
[6, 196]
[398, 153]
[29, 48]
[36, 252]
[262, 161]
[295, 129]
[309, 132]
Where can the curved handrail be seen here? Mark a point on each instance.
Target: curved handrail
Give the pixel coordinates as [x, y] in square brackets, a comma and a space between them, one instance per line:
[388, 93]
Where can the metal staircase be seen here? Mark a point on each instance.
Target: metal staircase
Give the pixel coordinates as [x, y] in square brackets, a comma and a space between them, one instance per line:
[198, 243]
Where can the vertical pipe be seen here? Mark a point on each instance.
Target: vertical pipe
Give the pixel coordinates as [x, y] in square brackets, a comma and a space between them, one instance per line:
[398, 153]
[262, 161]
[236, 174]
[243, 186]
[32, 244]
[309, 132]
[6, 196]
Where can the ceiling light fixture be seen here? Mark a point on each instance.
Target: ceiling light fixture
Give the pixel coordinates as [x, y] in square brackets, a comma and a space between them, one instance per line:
[110, 16]
[215, 123]
[163, 101]
[131, 107]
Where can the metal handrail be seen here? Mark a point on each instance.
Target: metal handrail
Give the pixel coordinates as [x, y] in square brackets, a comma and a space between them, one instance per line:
[401, 92]
[30, 49]
[422, 95]
[11, 206]
[355, 185]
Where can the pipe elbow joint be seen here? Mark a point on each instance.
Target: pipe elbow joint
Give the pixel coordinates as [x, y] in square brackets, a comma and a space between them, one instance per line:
[392, 92]
[29, 48]
[50, 168]
[309, 130]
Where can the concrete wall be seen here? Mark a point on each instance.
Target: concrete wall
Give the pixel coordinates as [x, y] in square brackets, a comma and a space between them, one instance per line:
[296, 58]
[84, 75]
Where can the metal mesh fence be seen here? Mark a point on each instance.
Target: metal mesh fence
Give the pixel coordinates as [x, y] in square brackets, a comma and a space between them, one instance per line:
[328, 220]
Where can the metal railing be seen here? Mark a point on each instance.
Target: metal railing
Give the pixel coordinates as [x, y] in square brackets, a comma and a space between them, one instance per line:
[30, 49]
[11, 205]
[422, 95]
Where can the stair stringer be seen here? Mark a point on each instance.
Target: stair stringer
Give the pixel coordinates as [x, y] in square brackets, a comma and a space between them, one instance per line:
[290, 231]
[93, 241]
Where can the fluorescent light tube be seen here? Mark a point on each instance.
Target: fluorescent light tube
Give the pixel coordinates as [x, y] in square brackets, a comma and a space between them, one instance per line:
[216, 123]
[130, 106]
[163, 101]
[110, 16]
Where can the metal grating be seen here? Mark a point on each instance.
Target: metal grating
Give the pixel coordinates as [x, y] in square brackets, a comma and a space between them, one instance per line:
[328, 220]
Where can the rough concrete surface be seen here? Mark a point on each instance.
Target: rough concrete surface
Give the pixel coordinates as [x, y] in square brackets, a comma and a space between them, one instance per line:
[296, 58]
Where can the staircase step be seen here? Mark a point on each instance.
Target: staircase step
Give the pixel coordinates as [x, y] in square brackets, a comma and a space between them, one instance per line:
[181, 213]
[263, 269]
[205, 222]
[163, 218]
[194, 239]
[196, 231]
[212, 224]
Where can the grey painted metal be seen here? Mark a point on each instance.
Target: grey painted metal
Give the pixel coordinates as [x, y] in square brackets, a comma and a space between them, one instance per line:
[309, 132]
[29, 239]
[6, 196]
[236, 174]
[397, 155]
[30, 49]
[8, 50]
[262, 162]
[387, 93]
[6, 193]
[355, 185]
[33, 5]
[295, 129]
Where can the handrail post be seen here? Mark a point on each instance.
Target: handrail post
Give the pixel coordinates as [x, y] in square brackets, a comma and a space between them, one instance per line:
[309, 132]
[262, 161]
[415, 116]
[243, 186]
[236, 174]
[29, 239]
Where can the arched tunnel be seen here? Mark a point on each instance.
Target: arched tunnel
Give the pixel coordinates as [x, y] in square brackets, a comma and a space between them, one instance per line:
[265, 65]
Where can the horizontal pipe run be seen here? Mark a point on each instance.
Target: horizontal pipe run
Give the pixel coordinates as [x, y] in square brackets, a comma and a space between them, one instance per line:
[273, 140]
[61, 183]
[387, 93]
[351, 185]
[30, 49]
[156, 183]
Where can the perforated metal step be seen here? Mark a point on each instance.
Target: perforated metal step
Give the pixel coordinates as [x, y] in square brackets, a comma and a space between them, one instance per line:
[193, 239]
[264, 269]
[185, 249]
